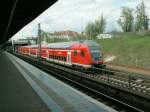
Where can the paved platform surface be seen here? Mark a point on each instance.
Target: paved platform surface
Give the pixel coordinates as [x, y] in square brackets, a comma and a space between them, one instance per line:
[57, 96]
[16, 95]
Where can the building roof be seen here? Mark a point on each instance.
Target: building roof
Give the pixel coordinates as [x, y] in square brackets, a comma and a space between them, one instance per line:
[69, 33]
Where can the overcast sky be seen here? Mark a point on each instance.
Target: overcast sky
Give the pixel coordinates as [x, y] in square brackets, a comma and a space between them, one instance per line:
[75, 14]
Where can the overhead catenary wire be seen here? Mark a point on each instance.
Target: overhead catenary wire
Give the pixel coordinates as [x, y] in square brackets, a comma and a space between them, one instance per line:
[61, 20]
[69, 13]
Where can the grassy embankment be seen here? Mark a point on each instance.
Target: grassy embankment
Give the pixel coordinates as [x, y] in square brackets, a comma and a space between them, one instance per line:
[129, 49]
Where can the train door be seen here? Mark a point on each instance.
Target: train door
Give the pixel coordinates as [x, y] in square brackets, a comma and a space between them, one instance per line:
[69, 57]
[47, 55]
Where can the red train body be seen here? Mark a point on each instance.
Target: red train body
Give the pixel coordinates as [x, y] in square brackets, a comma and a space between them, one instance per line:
[77, 53]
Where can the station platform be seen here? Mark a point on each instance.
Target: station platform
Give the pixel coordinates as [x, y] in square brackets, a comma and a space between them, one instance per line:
[16, 95]
[29, 89]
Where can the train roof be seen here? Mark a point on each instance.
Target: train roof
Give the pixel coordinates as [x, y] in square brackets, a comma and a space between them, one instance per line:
[29, 46]
[62, 45]
[34, 46]
[90, 43]
[68, 45]
[65, 45]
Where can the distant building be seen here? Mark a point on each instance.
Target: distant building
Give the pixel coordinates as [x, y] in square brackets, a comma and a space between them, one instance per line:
[103, 36]
[69, 35]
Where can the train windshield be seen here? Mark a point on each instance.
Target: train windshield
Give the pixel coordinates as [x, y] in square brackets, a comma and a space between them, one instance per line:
[94, 50]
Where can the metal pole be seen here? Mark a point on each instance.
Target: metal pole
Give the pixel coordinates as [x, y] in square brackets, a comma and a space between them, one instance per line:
[13, 47]
[39, 41]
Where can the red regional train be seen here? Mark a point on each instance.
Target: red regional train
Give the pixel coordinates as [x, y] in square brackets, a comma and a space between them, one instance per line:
[85, 54]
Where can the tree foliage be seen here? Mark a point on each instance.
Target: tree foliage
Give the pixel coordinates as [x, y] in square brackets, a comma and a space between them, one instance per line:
[100, 25]
[90, 30]
[94, 28]
[126, 19]
[141, 18]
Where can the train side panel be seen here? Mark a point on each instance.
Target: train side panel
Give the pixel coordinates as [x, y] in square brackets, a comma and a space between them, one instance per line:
[81, 56]
[59, 56]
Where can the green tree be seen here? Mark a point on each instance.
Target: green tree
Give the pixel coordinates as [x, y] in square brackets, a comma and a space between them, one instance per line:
[126, 19]
[90, 30]
[44, 36]
[141, 18]
[100, 25]
[94, 28]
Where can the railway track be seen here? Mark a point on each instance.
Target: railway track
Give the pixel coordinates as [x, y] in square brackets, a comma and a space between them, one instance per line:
[128, 81]
[115, 80]
[121, 79]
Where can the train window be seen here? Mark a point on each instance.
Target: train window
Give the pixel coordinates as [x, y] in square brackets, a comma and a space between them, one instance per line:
[75, 53]
[82, 53]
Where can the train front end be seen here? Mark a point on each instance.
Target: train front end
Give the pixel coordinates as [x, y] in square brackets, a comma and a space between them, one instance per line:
[95, 54]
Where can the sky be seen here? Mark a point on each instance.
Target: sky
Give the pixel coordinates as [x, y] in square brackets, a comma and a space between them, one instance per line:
[76, 14]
